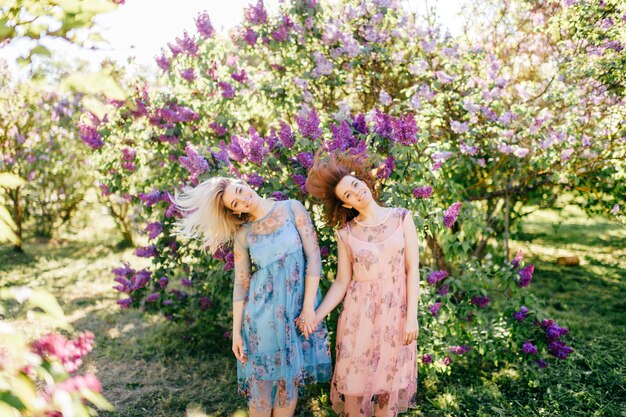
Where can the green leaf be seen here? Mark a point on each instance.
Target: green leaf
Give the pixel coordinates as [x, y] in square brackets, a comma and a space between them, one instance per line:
[40, 50]
[95, 83]
[8, 180]
[10, 399]
[96, 399]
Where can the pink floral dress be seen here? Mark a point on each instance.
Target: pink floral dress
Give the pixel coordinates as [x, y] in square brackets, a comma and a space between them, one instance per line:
[375, 373]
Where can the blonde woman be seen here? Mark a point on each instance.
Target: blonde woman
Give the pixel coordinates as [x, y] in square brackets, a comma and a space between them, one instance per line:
[277, 271]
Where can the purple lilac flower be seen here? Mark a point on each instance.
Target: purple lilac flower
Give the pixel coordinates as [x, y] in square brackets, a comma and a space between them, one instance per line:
[459, 127]
[360, 125]
[404, 129]
[90, 135]
[525, 276]
[443, 77]
[560, 349]
[140, 279]
[386, 168]
[555, 331]
[128, 166]
[424, 192]
[205, 303]
[163, 281]
[615, 209]
[153, 297]
[384, 98]
[163, 62]
[434, 308]
[257, 15]
[447, 360]
[218, 129]
[542, 364]
[309, 122]
[188, 74]
[529, 348]
[443, 291]
[382, 124]
[230, 262]
[228, 91]
[253, 146]
[480, 301]
[305, 159]
[204, 26]
[194, 162]
[300, 181]
[104, 189]
[521, 314]
[460, 350]
[450, 215]
[281, 33]
[436, 276]
[342, 137]
[125, 302]
[518, 258]
[186, 282]
[240, 76]
[250, 36]
[279, 196]
[254, 179]
[154, 229]
[234, 150]
[175, 48]
[426, 358]
[128, 154]
[285, 135]
[324, 251]
[187, 44]
[146, 252]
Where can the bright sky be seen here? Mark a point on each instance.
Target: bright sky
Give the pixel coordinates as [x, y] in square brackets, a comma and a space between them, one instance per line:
[140, 28]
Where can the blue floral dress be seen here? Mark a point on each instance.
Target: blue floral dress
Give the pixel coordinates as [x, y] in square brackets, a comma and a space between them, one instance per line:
[273, 256]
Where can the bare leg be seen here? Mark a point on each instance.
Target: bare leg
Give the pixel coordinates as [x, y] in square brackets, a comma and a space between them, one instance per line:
[352, 406]
[286, 410]
[259, 412]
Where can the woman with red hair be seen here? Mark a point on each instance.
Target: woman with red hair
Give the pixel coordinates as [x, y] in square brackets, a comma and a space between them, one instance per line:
[378, 281]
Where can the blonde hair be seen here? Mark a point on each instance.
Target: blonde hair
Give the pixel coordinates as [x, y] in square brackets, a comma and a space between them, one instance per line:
[204, 214]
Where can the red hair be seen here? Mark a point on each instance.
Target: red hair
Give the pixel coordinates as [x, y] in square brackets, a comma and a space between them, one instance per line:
[327, 172]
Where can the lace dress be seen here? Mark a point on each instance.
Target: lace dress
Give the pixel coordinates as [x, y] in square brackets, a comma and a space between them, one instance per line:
[273, 255]
[375, 372]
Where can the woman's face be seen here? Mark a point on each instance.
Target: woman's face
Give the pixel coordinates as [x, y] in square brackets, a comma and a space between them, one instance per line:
[353, 192]
[240, 198]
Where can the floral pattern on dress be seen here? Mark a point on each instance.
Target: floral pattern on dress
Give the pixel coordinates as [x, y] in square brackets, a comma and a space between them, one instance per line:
[280, 358]
[375, 373]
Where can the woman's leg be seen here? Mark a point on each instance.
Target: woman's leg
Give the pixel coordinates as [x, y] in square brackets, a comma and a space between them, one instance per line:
[282, 408]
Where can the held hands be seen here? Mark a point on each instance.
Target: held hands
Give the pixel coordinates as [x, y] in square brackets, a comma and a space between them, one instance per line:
[411, 331]
[238, 347]
[307, 321]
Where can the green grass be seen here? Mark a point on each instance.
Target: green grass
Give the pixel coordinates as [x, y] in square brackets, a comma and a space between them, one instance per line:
[148, 369]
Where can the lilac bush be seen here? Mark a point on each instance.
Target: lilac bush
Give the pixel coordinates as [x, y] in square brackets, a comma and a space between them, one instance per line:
[454, 127]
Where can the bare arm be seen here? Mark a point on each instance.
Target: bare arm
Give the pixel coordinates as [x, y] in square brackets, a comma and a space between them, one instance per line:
[337, 291]
[412, 260]
[240, 290]
[311, 248]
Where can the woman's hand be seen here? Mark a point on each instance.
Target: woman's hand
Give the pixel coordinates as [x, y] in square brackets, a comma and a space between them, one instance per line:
[306, 321]
[411, 330]
[238, 347]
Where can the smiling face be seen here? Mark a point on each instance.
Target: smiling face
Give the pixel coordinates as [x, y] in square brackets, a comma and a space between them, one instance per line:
[240, 198]
[353, 192]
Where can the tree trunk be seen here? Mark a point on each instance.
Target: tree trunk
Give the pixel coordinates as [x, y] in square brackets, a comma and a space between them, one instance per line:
[17, 208]
[438, 255]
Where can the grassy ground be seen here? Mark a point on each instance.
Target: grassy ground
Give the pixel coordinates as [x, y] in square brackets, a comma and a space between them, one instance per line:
[147, 368]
